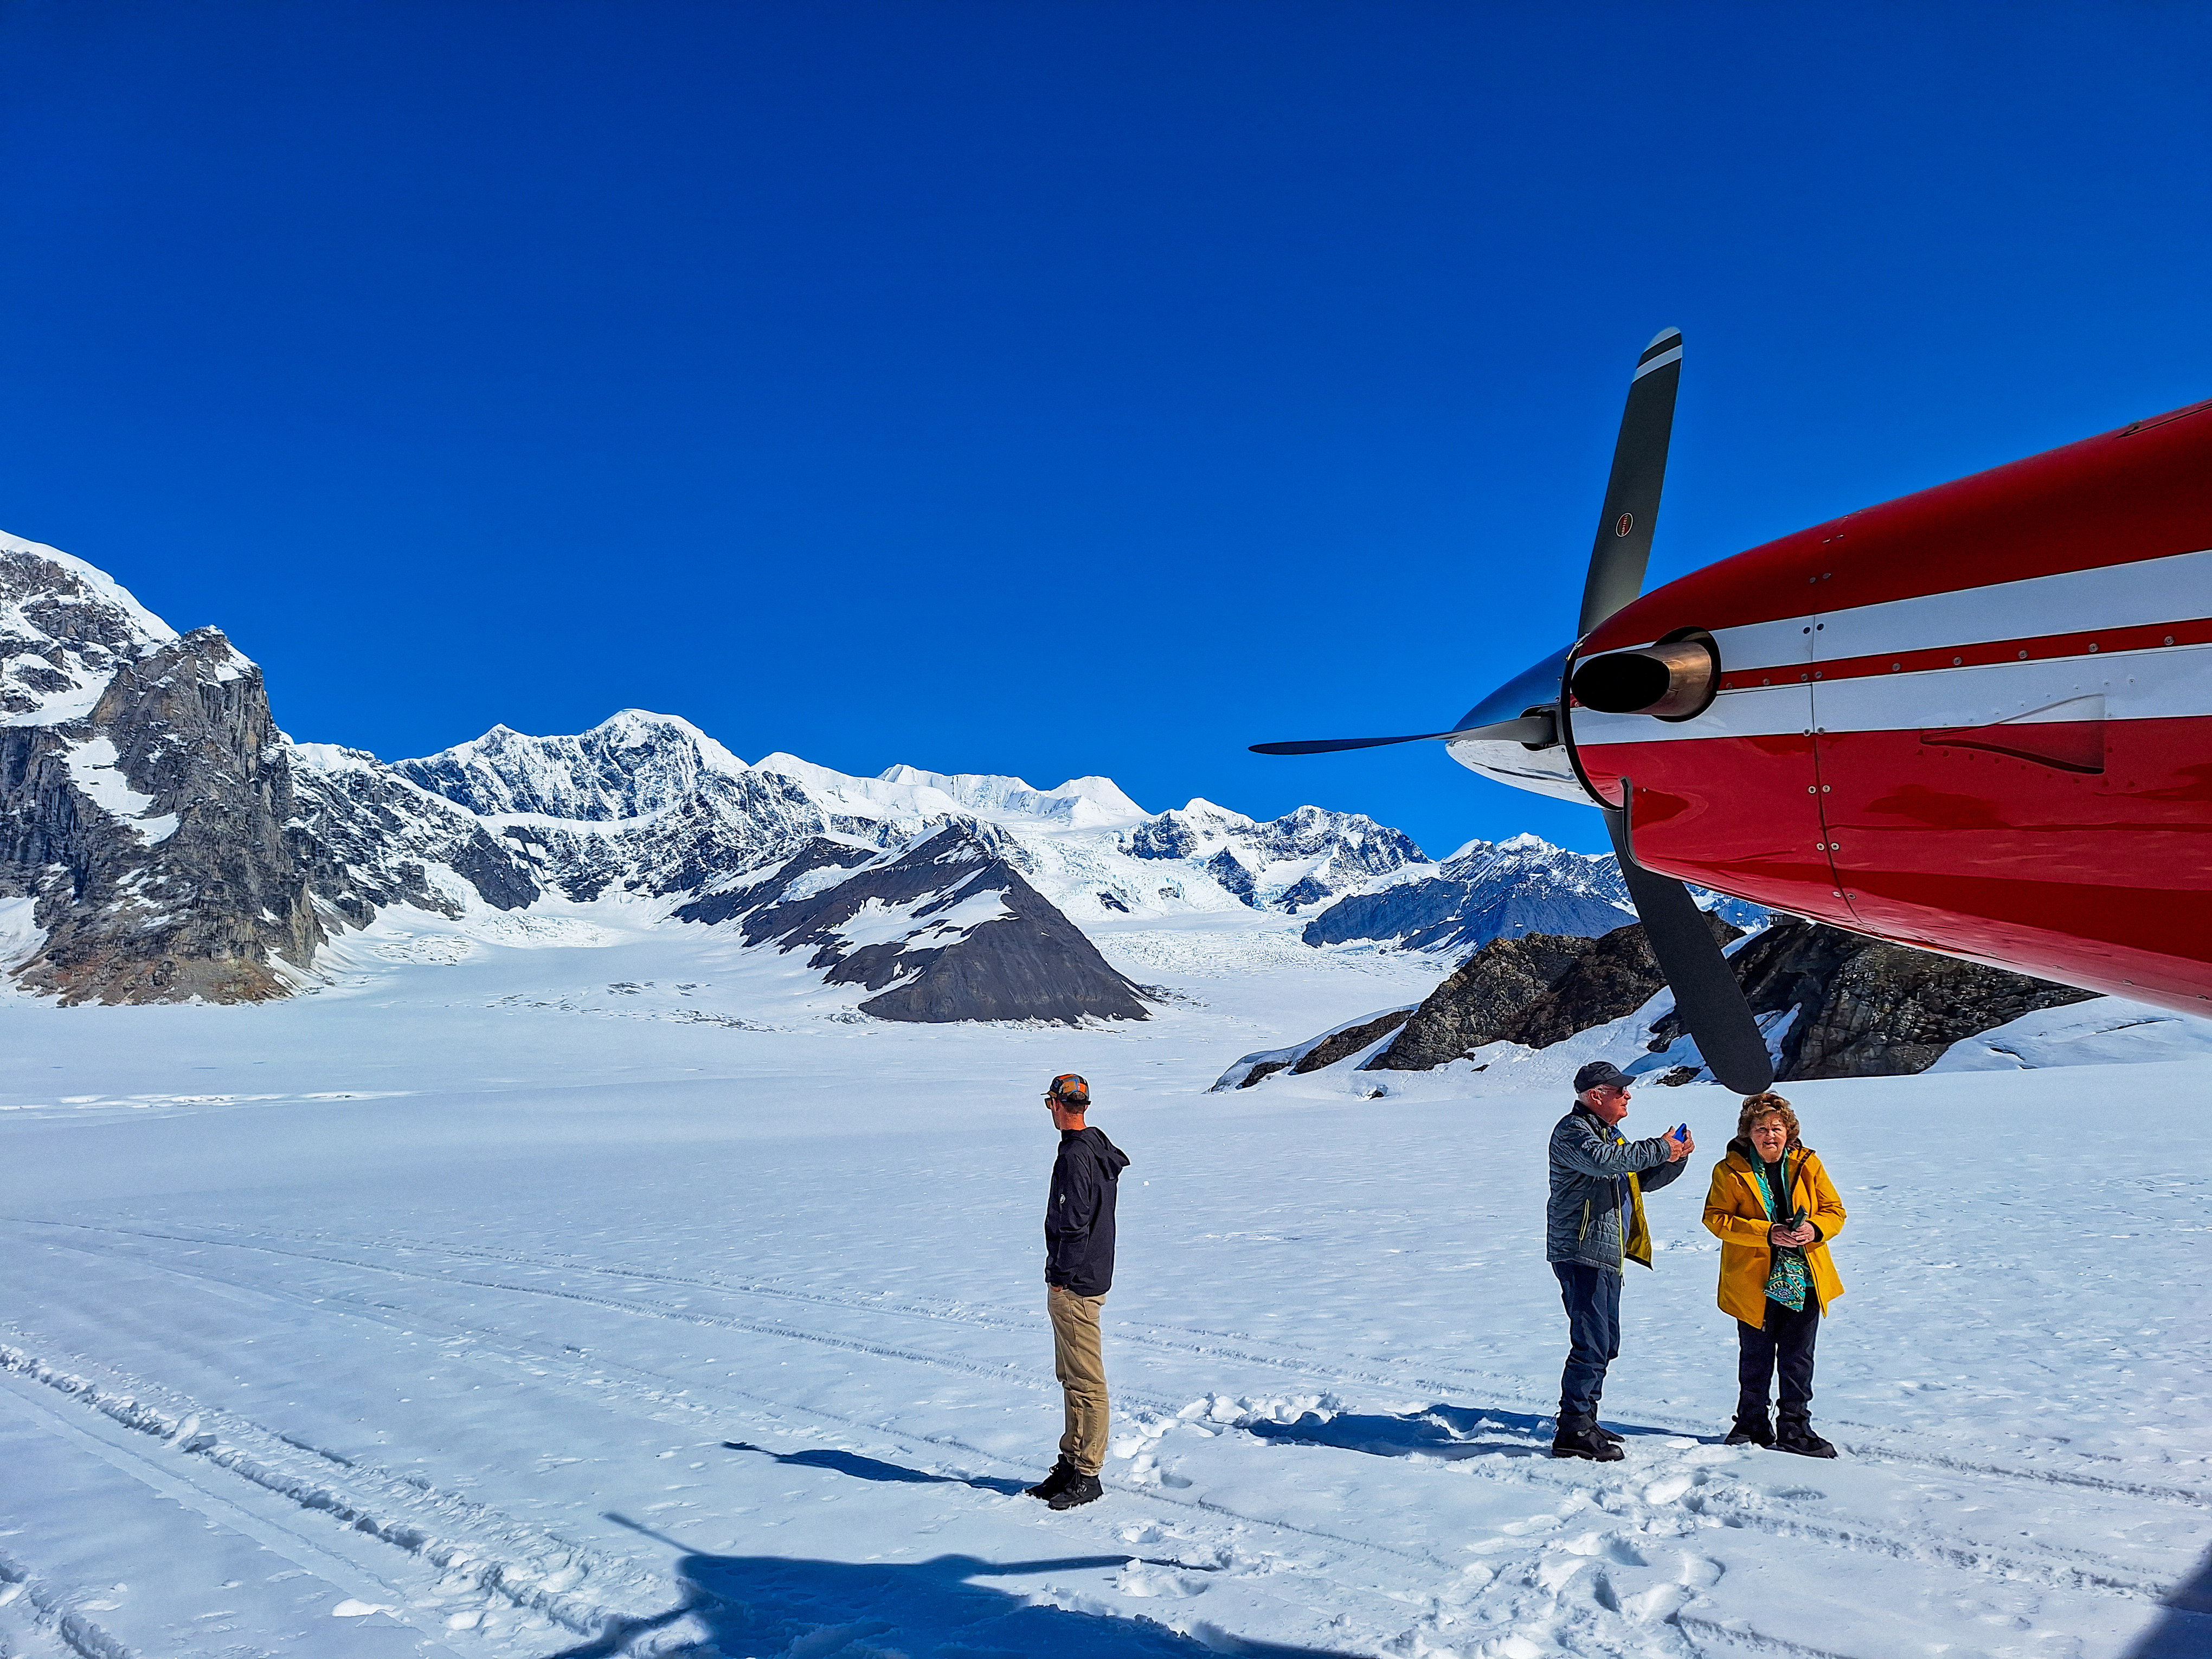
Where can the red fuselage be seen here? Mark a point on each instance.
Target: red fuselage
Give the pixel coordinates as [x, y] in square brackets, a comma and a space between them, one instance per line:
[1977, 721]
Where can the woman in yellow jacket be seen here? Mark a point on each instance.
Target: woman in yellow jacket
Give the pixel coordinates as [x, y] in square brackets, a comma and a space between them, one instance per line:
[1774, 1210]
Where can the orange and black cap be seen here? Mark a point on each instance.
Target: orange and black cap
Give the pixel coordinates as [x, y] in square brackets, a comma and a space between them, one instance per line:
[1069, 1091]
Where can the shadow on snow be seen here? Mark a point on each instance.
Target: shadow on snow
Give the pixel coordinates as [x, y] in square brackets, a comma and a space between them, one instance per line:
[738, 1605]
[1441, 1432]
[2184, 1631]
[870, 1469]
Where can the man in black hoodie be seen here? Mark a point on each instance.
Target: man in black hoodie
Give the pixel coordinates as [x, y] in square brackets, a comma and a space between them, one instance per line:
[1079, 1271]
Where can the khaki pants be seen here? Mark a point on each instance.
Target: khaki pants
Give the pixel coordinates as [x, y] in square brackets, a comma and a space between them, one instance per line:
[1081, 1368]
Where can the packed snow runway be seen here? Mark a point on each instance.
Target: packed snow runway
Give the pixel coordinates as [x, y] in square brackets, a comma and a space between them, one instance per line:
[625, 1299]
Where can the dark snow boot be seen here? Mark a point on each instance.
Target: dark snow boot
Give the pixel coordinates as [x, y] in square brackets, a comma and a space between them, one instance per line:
[1080, 1489]
[1053, 1483]
[1750, 1430]
[1796, 1434]
[1585, 1441]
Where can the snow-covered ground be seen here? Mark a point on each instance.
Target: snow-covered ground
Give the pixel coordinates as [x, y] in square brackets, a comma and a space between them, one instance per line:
[750, 1289]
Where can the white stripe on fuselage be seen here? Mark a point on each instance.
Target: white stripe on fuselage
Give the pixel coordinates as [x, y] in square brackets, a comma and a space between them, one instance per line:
[2149, 591]
[2175, 589]
[2170, 682]
[2165, 683]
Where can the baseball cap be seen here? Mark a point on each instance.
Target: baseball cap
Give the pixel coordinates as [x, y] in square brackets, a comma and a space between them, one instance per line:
[1069, 1090]
[1602, 1074]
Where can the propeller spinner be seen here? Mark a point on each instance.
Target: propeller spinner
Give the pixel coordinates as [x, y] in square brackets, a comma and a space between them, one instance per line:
[1531, 709]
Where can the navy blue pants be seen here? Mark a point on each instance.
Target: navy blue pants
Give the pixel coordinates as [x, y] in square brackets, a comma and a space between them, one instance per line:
[1784, 1342]
[1593, 1299]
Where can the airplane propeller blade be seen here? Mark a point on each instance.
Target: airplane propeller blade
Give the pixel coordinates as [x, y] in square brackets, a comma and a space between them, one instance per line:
[1632, 494]
[1706, 993]
[1527, 728]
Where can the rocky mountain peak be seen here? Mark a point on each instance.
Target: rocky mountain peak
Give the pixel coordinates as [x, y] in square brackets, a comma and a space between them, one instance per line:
[65, 630]
[630, 765]
[1304, 858]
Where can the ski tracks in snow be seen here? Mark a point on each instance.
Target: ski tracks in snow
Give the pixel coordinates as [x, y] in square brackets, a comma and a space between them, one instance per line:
[1434, 1529]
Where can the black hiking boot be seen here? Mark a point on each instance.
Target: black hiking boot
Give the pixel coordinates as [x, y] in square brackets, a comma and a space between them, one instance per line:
[1796, 1435]
[1080, 1489]
[1587, 1442]
[1053, 1483]
[1750, 1430]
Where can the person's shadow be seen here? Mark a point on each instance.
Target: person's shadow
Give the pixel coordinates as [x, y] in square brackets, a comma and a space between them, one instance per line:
[871, 1469]
[735, 1605]
[1441, 1432]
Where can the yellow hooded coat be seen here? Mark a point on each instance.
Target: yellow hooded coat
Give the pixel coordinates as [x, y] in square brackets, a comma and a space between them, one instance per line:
[1735, 1214]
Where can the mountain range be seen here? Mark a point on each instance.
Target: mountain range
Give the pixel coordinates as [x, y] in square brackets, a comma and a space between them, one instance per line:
[161, 839]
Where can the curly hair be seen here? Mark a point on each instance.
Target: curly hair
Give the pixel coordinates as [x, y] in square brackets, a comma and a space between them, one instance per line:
[1767, 1105]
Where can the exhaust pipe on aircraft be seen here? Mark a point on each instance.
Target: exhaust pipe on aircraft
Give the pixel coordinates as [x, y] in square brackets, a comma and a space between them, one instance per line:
[1673, 682]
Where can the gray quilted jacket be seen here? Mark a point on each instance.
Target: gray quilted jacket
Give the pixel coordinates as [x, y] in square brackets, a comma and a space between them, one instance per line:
[1595, 1215]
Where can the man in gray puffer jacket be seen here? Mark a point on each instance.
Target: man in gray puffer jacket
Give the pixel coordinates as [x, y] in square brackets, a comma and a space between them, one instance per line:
[1593, 1225]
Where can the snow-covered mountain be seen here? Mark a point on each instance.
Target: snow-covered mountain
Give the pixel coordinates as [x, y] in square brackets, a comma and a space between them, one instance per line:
[1485, 891]
[175, 844]
[1295, 861]
[1495, 890]
[648, 806]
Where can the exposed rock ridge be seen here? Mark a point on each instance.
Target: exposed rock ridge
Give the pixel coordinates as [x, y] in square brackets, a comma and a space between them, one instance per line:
[1536, 990]
[1859, 1007]
[1834, 1003]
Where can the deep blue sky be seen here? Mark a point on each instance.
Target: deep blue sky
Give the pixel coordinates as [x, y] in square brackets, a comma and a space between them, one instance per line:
[1037, 387]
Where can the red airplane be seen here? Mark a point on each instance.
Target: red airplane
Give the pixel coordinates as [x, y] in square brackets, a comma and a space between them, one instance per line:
[1977, 721]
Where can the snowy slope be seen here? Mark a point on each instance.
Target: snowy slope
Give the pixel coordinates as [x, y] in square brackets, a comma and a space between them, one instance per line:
[555, 1285]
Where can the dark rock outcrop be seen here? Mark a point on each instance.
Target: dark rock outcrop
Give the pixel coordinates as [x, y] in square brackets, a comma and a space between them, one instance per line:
[154, 832]
[1537, 990]
[1862, 1008]
[947, 929]
[1854, 1006]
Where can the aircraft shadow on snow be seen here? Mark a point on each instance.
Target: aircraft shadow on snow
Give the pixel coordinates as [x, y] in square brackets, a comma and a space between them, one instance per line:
[1443, 1432]
[740, 1604]
[2185, 1629]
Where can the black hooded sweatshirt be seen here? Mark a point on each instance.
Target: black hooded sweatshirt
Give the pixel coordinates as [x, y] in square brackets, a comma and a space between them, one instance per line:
[1079, 1214]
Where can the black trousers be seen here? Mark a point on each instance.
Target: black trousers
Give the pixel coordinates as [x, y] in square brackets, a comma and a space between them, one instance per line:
[1785, 1341]
[1593, 1301]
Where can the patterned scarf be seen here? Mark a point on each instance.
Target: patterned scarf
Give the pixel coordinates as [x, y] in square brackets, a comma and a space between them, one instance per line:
[1786, 1284]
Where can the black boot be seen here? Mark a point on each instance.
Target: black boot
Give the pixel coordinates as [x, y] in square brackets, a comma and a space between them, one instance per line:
[1053, 1483]
[1796, 1434]
[1080, 1489]
[1751, 1429]
[1584, 1440]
